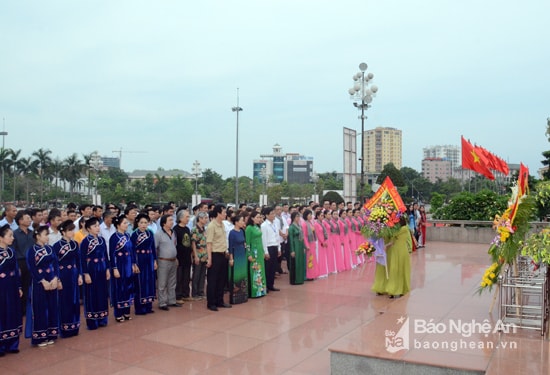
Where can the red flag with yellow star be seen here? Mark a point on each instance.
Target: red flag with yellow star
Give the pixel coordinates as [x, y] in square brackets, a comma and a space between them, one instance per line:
[471, 159]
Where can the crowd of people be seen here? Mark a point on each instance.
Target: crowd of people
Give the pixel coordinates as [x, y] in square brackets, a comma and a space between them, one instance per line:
[52, 262]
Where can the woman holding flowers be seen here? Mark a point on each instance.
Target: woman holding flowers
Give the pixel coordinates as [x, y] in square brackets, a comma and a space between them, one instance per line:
[399, 262]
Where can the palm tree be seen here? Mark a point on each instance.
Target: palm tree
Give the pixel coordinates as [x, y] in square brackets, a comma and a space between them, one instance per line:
[72, 170]
[4, 162]
[14, 162]
[27, 167]
[161, 185]
[44, 160]
[54, 170]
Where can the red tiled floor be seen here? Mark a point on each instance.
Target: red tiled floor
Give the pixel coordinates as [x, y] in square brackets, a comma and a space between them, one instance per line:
[289, 332]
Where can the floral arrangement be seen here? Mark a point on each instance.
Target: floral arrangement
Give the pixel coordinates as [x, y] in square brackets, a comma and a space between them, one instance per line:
[382, 219]
[511, 228]
[490, 276]
[366, 248]
[503, 226]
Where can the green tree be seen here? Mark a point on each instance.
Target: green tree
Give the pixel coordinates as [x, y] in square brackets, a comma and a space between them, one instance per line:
[180, 190]
[28, 169]
[447, 188]
[72, 171]
[212, 184]
[393, 173]
[44, 160]
[330, 181]
[161, 186]
[54, 172]
[542, 199]
[332, 196]
[483, 205]
[15, 164]
[436, 202]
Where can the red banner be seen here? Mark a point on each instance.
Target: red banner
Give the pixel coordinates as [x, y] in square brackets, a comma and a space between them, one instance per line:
[387, 190]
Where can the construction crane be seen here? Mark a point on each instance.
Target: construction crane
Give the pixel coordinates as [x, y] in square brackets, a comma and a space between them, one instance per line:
[121, 151]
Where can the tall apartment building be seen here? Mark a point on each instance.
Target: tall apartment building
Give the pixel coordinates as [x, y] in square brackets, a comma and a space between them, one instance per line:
[382, 146]
[443, 161]
[451, 153]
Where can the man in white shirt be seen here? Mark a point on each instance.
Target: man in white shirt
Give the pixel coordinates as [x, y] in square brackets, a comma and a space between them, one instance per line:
[272, 247]
[106, 229]
[282, 226]
[9, 216]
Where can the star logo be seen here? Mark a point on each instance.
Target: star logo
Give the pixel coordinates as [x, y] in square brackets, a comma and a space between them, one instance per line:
[475, 156]
[401, 320]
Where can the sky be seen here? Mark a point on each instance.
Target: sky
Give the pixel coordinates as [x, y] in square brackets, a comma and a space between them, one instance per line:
[158, 79]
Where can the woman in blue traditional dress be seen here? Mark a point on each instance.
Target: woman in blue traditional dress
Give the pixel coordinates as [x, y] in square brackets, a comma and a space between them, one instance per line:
[255, 253]
[95, 270]
[238, 264]
[10, 295]
[42, 324]
[143, 241]
[68, 257]
[123, 264]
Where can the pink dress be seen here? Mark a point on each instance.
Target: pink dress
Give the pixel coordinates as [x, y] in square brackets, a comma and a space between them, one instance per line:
[337, 245]
[355, 240]
[310, 241]
[344, 240]
[331, 258]
[351, 241]
[322, 240]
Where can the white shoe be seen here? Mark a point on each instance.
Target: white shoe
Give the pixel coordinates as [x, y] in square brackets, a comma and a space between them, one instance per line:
[43, 344]
[51, 342]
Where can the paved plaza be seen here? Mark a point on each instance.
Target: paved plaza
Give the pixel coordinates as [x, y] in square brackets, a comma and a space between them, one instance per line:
[294, 331]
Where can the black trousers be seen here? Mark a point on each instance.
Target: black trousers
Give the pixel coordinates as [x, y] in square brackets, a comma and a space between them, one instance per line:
[216, 277]
[25, 283]
[183, 279]
[285, 254]
[271, 266]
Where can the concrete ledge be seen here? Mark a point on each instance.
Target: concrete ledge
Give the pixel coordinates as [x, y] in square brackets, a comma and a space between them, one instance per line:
[466, 231]
[349, 364]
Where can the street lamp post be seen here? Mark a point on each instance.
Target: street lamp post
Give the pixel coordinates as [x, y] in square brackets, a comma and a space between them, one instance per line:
[362, 93]
[197, 174]
[96, 163]
[237, 109]
[314, 179]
